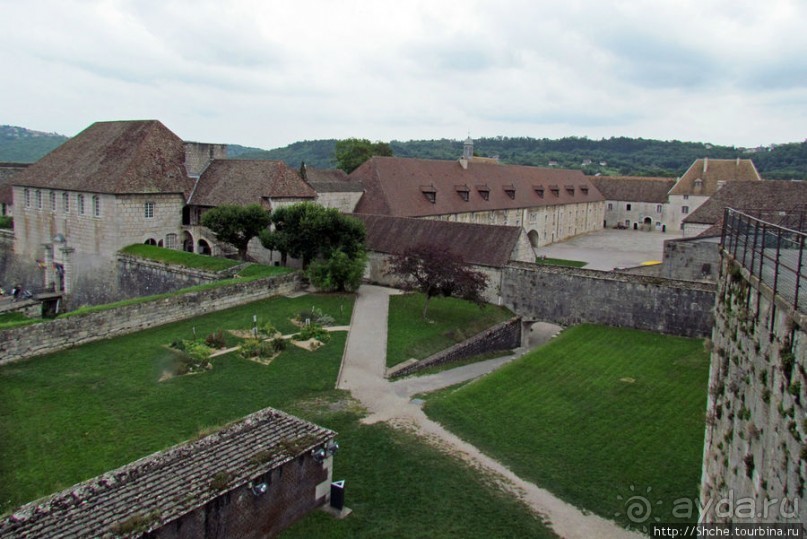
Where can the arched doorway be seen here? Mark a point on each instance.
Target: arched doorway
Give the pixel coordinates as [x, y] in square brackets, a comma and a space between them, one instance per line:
[150, 241]
[203, 248]
[534, 238]
[187, 242]
[647, 224]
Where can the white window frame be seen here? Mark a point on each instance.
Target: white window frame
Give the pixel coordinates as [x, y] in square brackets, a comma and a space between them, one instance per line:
[148, 209]
[66, 202]
[80, 203]
[96, 206]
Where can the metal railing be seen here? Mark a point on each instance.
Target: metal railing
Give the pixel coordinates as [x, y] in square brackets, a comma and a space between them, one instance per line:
[771, 246]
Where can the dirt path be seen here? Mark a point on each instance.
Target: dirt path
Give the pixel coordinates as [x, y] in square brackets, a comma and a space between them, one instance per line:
[362, 372]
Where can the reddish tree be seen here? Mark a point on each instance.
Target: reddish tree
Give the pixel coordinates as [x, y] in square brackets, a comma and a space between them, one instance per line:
[435, 271]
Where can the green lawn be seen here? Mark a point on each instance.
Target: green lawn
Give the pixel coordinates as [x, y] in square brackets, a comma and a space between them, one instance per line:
[73, 415]
[560, 262]
[450, 321]
[179, 258]
[10, 320]
[596, 416]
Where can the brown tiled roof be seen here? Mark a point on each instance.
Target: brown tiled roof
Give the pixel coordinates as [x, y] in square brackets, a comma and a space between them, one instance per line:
[331, 180]
[751, 195]
[633, 189]
[114, 157]
[712, 172]
[171, 483]
[394, 186]
[484, 245]
[8, 171]
[243, 182]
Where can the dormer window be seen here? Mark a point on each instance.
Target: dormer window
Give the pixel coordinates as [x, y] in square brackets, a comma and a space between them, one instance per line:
[463, 191]
[570, 189]
[484, 191]
[510, 190]
[584, 189]
[429, 192]
[539, 190]
[555, 190]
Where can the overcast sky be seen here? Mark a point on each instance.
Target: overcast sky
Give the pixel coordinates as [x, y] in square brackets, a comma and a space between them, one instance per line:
[267, 73]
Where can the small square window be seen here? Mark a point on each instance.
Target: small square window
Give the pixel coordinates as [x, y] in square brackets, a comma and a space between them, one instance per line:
[627, 207]
[684, 209]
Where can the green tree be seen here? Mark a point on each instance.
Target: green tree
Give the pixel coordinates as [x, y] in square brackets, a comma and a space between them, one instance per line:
[351, 153]
[237, 225]
[339, 272]
[309, 231]
[436, 271]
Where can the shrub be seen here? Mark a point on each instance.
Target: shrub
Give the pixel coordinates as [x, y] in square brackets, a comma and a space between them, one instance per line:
[279, 344]
[338, 273]
[313, 331]
[6, 221]
[216, 339]
[316, 316]
[268, 329]
[250, 348]
[198, 350]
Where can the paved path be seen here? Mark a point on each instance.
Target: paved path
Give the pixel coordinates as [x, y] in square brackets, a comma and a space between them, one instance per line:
[362, 373]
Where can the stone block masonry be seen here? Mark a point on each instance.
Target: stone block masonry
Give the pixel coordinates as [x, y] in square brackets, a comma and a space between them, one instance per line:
[501, 337]
[755, 448]
[569, 296]
[63, 333]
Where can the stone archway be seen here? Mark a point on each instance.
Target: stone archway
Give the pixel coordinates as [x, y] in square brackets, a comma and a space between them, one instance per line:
[203, 248]
[187, 242]
[534, 238]
[150, 241]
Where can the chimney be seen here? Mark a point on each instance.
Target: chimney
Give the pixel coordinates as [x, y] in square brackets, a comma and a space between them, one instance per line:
[705, 164]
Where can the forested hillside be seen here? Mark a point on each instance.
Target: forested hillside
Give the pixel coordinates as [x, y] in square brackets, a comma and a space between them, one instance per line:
[20, 145]
[612, 156]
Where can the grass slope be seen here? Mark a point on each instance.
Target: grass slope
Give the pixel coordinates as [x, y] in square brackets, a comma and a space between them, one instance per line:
[450, 321]
[597, 415]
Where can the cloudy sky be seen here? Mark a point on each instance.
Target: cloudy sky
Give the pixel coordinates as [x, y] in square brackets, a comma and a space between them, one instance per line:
[267, 73]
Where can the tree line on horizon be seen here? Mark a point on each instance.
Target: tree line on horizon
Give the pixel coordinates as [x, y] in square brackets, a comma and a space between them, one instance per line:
[612, 156]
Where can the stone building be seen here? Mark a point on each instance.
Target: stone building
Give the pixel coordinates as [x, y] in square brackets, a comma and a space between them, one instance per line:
[702, 180]
[635, 202]
[113, 184]
[334, 188]
[271, 184]
[550, 204]
[487, 248]
[251, 479]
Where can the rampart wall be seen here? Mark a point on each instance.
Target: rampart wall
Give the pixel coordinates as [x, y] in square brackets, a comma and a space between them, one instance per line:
[569, 296]
[66, 332]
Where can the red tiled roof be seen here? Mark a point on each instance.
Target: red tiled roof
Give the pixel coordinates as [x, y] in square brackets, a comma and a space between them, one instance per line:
[331, 180]
[713, 172]
[243, 182]
[484, 245]
[751, 195]
[634, 189]
[395, 186]
[114, 157]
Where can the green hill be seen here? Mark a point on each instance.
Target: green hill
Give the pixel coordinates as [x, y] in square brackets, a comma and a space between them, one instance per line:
[20, 145]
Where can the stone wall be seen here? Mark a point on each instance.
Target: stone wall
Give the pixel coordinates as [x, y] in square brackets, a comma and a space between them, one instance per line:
[696, 259]
[142, 277]
[62, 333]
[501, 337]
[569, 296]
[755, 450]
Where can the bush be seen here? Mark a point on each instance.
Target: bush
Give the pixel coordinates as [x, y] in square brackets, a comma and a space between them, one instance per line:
[268, 330]
[6, 222]
[338, 273]
[313, 331]
[250, 348]
[316, 316]
[279, 344]
[216, 339]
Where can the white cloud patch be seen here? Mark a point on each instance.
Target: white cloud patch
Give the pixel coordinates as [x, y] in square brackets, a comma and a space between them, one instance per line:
[269, 72]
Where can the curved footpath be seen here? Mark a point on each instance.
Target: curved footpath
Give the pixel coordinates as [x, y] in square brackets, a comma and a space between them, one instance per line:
[362, 373]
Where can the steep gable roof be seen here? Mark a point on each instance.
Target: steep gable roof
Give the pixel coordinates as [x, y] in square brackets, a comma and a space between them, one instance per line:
[634, 189]
[484, 245]
[332, 180]
[404, 187]
[713, 173]
[751, 195]
[114, 157]
[171, 483]
[243, 182]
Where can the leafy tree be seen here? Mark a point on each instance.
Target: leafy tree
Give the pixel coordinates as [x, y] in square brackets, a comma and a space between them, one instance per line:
[435, 271]
[308, 231]
[237, 225]
[339, 272]
[351, 153]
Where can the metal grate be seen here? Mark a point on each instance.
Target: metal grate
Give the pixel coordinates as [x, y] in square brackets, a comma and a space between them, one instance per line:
[770, 245]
